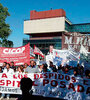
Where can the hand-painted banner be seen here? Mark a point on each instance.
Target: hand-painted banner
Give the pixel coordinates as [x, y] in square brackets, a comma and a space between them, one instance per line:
[18, 55]
[49, 85]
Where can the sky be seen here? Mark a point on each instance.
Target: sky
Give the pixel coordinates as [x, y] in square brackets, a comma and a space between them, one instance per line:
[78, 11]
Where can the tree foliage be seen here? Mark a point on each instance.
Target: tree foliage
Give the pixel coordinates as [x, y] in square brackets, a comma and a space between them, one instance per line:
[4, 28]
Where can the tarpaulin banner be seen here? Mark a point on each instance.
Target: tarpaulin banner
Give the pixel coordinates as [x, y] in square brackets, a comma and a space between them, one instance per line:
[64, 57]
[48, 85]
[60, 57]
[18, 55]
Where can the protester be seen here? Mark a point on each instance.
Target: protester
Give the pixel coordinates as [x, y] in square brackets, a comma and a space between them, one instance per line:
[9, 71]
[33, 68]
[45, 68]
[75, 72]
[87, 74]
[66, 70]
[12, 64]
[4, 65]
[25, 86]
[52, 67]
[20, 69]
[25, 66]
[80, 70]
[1, 70]
[40, 67]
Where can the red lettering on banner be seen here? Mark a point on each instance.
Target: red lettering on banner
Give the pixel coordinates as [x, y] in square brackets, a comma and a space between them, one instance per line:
[73, 79]
[41, 75]
[50, 75]
[80, 88]
[67, 77]
[14, 77]
[71, 86]
[60, 76]
[20, 76]
[8, 82]
[36, 76]
[13, 83]
[45, 81]
[18, 83]
[2, 82]
[25, 76]
[54, 83]
[55, 76]
[63, 84]
[4, 75]
[45, 75]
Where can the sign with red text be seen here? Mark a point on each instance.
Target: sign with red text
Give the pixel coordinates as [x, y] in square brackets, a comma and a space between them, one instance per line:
[48, 85]
[18, 55]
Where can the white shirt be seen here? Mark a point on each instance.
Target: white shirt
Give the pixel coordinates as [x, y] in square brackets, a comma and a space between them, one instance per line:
[10, 71]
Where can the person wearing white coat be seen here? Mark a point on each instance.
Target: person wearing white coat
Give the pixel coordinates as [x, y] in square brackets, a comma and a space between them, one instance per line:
[8, 71]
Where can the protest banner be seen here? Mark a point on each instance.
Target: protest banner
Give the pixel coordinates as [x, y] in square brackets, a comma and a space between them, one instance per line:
[18, 55]
[75, 39]
[48, 85]
[60, 57]
[64, 57]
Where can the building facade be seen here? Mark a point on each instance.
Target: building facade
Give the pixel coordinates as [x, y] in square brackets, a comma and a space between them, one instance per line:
[46, 28]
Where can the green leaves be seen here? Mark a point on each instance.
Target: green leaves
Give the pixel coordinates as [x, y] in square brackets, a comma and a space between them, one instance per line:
[4, 28]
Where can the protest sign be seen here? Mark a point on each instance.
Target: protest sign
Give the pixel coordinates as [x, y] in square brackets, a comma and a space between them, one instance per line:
[49, 85]
[64, 57]
[60, 57]
[18, 55]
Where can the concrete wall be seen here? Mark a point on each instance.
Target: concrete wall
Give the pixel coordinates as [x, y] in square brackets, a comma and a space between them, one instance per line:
[44, 25]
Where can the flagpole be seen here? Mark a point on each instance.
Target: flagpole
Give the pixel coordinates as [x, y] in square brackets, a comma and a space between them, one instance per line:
[38, 57]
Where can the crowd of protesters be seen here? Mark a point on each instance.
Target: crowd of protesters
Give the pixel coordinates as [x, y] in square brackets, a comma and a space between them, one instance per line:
[41, 68]
[9, 68]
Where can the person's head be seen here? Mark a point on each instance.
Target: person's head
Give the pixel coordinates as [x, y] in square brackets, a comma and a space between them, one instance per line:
[4, 64]
[66, 69]
[75, 72]
[51, 64]
[32, 63]
[0, 69]
[25, 65]
[87, 73]
[12, 63]
[7, 65]
[45, 68]
[41, 66]
[26, 84]
[20, 68]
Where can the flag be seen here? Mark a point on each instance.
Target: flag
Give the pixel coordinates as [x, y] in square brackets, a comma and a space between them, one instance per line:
[38, 51]
[32, 52]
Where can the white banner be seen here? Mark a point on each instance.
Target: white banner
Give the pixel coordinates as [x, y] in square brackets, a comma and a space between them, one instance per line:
[49, 85]
[64, 57]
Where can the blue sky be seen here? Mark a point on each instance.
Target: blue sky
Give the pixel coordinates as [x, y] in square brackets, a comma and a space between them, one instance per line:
[78, 11]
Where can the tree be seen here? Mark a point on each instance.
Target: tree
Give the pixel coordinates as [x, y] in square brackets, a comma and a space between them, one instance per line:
[4, 28]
